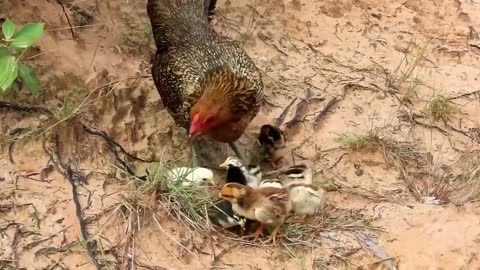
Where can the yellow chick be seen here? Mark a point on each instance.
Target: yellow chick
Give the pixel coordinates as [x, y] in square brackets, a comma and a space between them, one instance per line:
[266, 205]
[192, 177]
[297, 174]
[306, 199]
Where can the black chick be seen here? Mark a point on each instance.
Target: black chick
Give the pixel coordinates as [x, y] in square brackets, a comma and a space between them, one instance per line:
[272, 141]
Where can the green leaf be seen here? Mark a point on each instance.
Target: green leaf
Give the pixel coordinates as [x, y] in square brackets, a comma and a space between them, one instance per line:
[8, 29]
[29, 78]
[3, 52]
[26, 36]
[8, 71]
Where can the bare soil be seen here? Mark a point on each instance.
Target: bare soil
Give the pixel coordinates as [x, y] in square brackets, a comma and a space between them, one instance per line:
[398, 151]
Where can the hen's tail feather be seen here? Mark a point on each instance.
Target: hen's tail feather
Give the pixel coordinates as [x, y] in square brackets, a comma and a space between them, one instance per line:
[176, 21]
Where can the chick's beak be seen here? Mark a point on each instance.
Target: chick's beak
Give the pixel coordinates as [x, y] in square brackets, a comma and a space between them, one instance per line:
[223, 165]
[212, 183]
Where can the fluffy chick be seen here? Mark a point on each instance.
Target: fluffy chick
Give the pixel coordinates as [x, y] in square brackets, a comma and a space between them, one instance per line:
[252, 173]
[274, 182]
[192, 177]
[306, 199]
[221, 213]
[297, 174]
[272, 140]
[266, 205]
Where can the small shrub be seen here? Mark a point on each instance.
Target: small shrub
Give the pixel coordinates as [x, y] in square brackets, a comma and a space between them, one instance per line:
[12, 48]
[441, 109]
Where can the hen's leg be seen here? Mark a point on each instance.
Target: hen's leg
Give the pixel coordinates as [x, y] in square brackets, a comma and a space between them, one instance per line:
[236, 150]
[208, 153]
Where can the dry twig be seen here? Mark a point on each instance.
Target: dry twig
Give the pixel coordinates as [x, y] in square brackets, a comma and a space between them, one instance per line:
[68, 19]
[329, 105]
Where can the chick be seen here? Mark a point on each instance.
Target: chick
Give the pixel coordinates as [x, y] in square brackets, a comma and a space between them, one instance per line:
[266, 205]
[306, 199]
[272, 140]
[274, 182]
[297, 174]
[252, 173]
[192, 177]
[221, 213]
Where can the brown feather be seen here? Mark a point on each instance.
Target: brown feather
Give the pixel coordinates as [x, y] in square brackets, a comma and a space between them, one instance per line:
[195, 67]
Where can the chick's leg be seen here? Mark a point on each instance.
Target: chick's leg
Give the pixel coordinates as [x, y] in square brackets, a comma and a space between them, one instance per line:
[257, 233]
[273, 235]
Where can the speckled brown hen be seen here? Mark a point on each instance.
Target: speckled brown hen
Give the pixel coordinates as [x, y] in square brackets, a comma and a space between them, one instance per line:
[208, 84]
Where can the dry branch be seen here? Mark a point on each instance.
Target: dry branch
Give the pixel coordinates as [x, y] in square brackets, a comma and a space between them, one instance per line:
[115, 147]
[83, 227]
[284, 113]
[68, 19]
[112, 143]
[464, 95]
[22, 108]
[302, 108]
[72, 177]
[14, 246]
[325, 110]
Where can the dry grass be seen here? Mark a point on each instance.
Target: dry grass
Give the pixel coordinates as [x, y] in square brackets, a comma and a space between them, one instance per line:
[428, 181]
[357, 141]
[468, 182]
[413, 57]
[440, 108]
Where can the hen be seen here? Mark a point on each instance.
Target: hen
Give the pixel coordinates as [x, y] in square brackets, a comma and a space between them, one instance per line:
[207, 83]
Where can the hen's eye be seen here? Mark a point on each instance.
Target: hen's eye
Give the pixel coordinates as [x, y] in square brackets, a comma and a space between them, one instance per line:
[209, 119]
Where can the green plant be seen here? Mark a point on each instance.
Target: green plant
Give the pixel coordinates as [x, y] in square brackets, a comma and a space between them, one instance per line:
[12, 47]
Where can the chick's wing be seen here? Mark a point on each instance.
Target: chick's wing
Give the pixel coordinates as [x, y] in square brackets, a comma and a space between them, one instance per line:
[274, 206]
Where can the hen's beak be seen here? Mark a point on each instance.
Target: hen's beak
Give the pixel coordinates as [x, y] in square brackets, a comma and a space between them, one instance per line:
[192, 136]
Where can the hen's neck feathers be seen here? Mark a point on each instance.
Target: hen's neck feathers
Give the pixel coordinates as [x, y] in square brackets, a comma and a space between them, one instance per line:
[222, 87]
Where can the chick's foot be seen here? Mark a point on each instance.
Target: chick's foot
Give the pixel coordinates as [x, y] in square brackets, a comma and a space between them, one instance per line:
[273, 236]
[257, 234]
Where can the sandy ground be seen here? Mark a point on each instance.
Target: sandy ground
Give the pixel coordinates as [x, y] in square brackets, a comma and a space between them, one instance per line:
[403, 72]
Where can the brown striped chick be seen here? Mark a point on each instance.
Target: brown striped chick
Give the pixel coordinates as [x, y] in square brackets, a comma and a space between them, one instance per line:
[272, 140]
[306, 199]
[297, 174]
[266, 205]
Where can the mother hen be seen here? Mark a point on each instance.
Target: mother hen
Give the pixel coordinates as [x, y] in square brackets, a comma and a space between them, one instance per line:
[207, 83]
